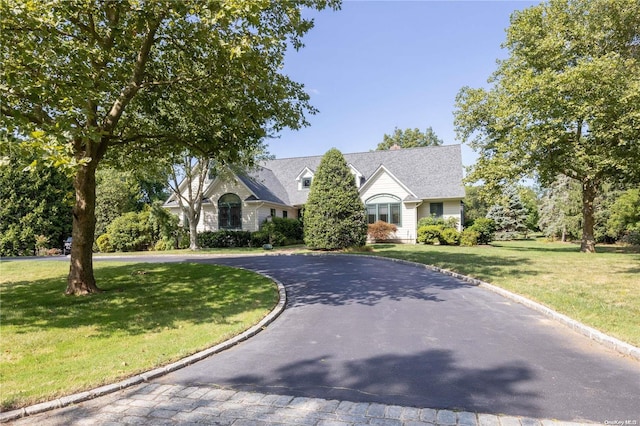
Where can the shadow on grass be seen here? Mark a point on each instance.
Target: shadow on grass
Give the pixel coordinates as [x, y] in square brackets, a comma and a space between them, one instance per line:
[138, 298]
[481, 264]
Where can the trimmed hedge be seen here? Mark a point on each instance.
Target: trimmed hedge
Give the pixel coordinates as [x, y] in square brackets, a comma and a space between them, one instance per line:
[224, 239]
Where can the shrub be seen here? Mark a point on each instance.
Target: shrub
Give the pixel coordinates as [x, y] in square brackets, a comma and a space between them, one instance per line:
[469, 237]
[450, 237]
[130, 232]
[451, 222]
[163, 245]
[381, 230]
[429, 234]
[281, 231]
[259, 238]
[224, 239]
[632, 237]
[485, 228]
[104, 243]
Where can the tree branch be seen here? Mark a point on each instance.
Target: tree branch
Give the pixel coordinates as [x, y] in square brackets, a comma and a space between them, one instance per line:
[112, 118]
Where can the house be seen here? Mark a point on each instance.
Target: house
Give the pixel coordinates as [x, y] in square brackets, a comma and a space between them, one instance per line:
[397, 186]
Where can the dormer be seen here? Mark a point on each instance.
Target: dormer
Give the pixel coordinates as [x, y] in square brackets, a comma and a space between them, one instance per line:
[359, 177]
[304, 179]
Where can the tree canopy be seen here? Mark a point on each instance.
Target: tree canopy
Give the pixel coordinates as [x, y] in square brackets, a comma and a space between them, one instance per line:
[566, 100]
[409, 138]
[81, 78]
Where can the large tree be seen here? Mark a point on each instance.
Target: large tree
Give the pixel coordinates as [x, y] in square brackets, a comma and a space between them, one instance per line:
[334, 215]
[81, 78]
[409, 138]
[565, 101]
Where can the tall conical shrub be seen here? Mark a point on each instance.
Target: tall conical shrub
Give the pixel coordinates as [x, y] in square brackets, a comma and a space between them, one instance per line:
[334, 216]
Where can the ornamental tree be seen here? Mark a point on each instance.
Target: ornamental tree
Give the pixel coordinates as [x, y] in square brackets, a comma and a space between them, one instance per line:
[334, 215]
[566, 101]
[83, 79]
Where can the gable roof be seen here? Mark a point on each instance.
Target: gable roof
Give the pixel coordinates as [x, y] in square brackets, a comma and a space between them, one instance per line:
[433, 172]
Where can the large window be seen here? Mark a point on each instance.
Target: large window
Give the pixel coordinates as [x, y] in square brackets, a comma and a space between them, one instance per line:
[384, 207]
[230, 212]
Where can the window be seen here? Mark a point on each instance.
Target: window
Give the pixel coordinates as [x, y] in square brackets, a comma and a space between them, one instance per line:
[272, 213]
[306, 182]
[229, 212]
[285, 214]
[436, 209]
[384, 207]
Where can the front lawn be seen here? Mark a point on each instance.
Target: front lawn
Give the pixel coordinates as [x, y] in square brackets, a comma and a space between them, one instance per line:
[601, 290]
[148, 316]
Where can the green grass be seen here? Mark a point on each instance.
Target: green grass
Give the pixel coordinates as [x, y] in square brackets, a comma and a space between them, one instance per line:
[148, 316]
[601, 290]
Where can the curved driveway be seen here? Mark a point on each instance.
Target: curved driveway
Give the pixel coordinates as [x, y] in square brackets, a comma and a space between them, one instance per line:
[370, 330]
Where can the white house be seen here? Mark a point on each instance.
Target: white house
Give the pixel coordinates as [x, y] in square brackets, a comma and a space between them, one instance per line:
[397, 186]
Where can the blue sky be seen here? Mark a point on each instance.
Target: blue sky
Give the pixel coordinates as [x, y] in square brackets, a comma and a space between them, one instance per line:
[375, 65]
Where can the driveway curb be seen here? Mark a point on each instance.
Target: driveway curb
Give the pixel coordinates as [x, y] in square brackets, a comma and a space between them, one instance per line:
[152, 374]
[593, 334]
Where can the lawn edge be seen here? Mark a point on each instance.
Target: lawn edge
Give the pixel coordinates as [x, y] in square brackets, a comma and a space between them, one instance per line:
[157, 372]
[604, 339]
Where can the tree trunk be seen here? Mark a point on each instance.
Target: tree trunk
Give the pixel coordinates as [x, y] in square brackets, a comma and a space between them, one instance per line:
[81, 279]
[589, 190]
[193, 235]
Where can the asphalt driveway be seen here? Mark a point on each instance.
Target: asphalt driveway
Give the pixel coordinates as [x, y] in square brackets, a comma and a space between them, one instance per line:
[371, 330]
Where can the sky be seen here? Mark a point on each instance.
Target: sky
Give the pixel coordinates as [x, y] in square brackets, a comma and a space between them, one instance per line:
[376, 65]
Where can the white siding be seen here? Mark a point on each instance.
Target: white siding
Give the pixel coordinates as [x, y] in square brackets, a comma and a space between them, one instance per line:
[386, 184]
[451, 208]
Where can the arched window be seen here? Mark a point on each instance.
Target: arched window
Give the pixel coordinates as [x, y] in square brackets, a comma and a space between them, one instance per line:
[384, 207]
[229, 212]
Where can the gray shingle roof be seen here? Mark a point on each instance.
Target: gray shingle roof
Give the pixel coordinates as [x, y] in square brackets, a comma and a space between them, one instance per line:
[429, 172]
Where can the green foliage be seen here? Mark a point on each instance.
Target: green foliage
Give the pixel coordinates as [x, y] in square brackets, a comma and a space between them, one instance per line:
[429, 234]
[624, 219]
[451, 222]
[529, 199]
[130, 232]
[334, 216]
[438, 234]
[469, 237]
[282, 231]
[409, 138]
[224, 239]
[117, 192]
[381, 231]
[485, 228]
[559, 211]
[475, 206]
[104, 244]
[565, 101]
[163, 224]
[35, 202]
[449, 237]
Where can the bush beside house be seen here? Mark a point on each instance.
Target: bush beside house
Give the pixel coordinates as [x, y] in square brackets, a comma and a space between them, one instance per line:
[334, 215]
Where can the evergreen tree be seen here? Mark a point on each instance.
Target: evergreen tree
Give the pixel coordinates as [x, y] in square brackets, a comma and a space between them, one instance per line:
[34, 203]
[334, 216]
[511, 217]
